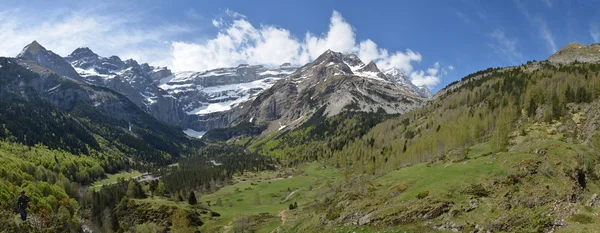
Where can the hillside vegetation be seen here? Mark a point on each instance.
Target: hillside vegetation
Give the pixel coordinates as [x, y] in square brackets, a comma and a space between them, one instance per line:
[511, 149]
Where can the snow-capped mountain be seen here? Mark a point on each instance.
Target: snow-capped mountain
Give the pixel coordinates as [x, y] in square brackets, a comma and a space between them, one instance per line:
[206, 98]
[334, 81]
[399, 77]
[219, 90]
[195, 101]
[134, 80]
[200, 101]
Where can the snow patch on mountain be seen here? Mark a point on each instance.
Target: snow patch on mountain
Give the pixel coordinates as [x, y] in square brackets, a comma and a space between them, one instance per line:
[194, 133]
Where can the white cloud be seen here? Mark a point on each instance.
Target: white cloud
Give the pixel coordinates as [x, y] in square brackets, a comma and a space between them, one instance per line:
[505, 46]
[105, 34]
[238, 41]
[431, 76]
[540, 23]
[595, 33]
[547, 35]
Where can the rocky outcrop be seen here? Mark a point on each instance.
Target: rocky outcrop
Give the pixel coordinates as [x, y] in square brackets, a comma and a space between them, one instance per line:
[575, 52]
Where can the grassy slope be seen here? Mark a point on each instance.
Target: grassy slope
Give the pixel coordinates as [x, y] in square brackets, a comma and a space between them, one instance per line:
[543, 179]
[272, 191]
[113, 178]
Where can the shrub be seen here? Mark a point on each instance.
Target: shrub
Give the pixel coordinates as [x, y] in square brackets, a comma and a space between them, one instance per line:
[477, 190]
[423, 194]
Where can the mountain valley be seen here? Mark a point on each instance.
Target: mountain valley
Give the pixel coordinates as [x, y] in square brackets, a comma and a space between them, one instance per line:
[333, 145]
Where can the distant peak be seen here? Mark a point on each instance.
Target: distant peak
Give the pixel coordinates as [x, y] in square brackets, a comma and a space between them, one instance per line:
[576, 52]
[287, 64]
[83, 51]
[33, 48]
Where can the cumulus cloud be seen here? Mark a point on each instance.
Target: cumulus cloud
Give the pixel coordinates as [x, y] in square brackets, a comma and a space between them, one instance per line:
[430, 76]
[238, 41]
[104, 33]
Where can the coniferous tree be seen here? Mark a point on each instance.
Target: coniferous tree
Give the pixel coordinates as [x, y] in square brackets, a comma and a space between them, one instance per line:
[160, 188]
[192, 198]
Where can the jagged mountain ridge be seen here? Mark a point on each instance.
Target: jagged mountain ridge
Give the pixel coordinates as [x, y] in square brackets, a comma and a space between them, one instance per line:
[334, 81]
[134, 80]
[102, 111]
[195, 101]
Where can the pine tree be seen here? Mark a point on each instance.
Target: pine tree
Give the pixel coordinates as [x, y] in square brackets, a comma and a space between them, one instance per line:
[192, 198]
[532, 108]
[160, 188]
[179, 197]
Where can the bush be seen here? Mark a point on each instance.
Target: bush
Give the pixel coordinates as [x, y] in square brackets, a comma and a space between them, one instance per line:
[333, 213]
[423, 194]
[477, 190]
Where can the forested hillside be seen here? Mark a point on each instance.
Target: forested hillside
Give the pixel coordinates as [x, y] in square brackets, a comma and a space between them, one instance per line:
[53, 144]
[489, 140]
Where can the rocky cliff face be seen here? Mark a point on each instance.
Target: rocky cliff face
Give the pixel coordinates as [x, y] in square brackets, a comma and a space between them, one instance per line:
[206, 98]
[334, 81]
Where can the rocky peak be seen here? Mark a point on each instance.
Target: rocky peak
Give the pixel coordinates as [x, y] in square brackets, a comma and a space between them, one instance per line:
[397, 75]
[425, 92]
[352, 60]
[371, 67]
[83, 53]
[329, 56]
[285, 65]
[37, 53]
[32, 49]
[131, 63]
[577, 52]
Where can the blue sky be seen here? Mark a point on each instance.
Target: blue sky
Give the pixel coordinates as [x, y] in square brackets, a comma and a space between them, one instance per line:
[434, 42]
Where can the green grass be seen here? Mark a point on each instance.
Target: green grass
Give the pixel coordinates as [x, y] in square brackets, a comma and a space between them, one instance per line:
[542, 179]
[161, 201]
[271, 192]
[113, 178]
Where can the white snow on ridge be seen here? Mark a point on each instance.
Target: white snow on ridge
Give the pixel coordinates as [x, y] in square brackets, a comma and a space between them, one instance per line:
[275, 72]
[370, 75]
[194, 133]
[178, 77]
[92, 72]
[233, 94]
[168, 87]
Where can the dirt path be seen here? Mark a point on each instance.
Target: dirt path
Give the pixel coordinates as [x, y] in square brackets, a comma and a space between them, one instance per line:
[283, 215]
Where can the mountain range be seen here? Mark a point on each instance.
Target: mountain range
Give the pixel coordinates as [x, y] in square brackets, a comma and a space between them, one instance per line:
[277, 97]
